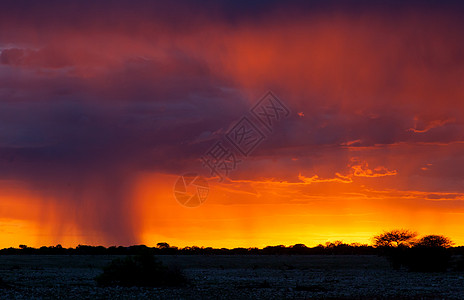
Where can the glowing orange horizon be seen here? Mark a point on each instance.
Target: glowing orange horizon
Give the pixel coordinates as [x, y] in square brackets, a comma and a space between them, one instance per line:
[265, 213]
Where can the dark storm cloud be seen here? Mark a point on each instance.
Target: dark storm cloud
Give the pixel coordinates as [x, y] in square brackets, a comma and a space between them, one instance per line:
[183, 89]
[145, 113]
[82, 140]
[186, 15]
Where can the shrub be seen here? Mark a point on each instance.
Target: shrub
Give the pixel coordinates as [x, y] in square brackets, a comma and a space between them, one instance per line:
[428, 259]
[434, 240]
[140, 270]
[431, 253]
[397, 256]
[419, 258]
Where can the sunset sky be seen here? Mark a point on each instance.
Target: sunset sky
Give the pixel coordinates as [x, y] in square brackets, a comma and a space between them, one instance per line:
[104, 104]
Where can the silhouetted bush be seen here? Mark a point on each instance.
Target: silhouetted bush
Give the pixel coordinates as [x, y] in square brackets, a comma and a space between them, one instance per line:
[431, 253]
[140, 270]
[335, 248]
[422, 257]
[427, 259]
[397, 256]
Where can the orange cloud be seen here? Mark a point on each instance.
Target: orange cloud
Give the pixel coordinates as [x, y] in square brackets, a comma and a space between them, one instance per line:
[362, 170]
[316, 179]
[431, 125]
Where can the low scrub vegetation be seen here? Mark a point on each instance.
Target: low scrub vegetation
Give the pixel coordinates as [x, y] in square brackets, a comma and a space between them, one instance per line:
[140, 270]
[430, 253]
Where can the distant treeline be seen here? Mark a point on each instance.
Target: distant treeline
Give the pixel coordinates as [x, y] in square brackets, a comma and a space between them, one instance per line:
[334, 248]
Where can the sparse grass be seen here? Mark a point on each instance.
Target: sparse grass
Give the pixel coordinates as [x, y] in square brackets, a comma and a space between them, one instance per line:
[140, 270]
[318, 277]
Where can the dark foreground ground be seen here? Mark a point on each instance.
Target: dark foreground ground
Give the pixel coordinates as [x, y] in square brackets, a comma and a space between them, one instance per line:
[231, 277]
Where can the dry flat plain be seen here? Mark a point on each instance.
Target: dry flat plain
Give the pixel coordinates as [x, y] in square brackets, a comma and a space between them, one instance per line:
[230, 277]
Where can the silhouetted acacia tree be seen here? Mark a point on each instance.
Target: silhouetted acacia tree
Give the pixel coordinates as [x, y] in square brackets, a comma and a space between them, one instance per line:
[395, 238]
[433, 240]
[162, 245]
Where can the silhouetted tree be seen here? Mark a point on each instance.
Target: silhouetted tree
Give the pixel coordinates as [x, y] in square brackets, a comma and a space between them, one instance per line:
[395, 238]
[434, 241]
[162, 245]
[333, 244]
[298, 249]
